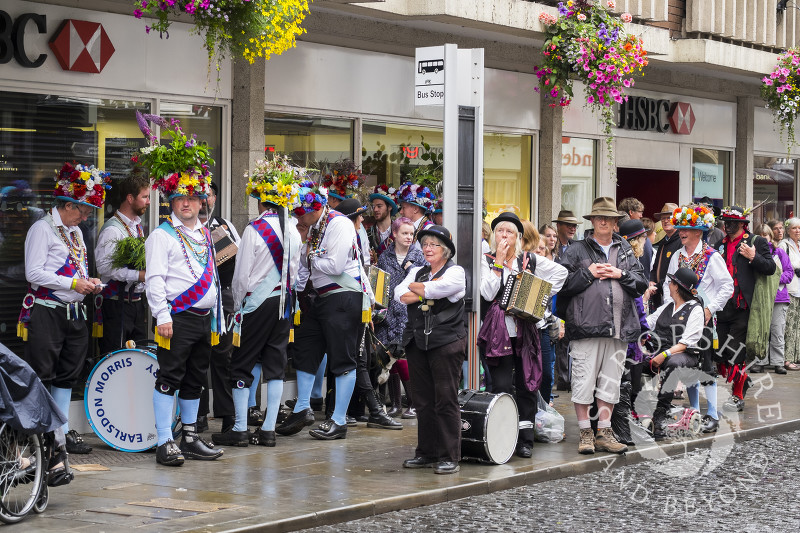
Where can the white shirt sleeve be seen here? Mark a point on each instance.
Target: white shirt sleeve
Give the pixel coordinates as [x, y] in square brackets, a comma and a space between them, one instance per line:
[490, 282]
[671, 269]
[402, 288]
[340, 236]
[244, 265]
[717, 283]
[551, 272]
[157, 257]
[693, 331]
[451, 285]
[37, 242]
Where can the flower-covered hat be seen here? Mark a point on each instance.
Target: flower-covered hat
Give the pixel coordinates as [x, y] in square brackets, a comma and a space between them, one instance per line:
[342, 179]
[414, 194]
[275, 181]
[310, 197]
[693, 217]
[387, 194]
[82, 185]
[438, 206]
[735, 213]
[179, 168]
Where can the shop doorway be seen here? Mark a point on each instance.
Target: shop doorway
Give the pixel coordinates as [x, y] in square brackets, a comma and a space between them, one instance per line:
[653, 188]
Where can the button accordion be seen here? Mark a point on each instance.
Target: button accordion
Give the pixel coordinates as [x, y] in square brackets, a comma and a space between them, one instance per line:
[526, 296]
[379, 281]
[224, 247]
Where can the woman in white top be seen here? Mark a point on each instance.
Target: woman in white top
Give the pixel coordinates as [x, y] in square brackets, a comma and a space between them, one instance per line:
[792, 247]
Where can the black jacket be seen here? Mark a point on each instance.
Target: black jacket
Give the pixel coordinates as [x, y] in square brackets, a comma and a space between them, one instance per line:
[744, 271]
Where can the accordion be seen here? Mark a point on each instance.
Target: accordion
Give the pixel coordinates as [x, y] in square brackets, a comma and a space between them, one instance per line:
[379, 281]
[224, 247]
[526, 296]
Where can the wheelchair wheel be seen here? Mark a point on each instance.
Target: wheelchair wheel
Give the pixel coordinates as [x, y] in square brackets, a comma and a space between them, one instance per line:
[42, 501]
[695, 424]
[20, 487]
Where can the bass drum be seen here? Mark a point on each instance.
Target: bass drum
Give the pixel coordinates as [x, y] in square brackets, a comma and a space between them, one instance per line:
[118, 400]
[489, 426]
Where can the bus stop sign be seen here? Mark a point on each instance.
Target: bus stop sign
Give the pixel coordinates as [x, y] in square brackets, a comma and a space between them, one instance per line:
[429, 76]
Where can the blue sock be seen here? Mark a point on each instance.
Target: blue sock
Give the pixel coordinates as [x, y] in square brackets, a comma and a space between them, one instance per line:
[251, 401]
[240, 408]
[711, 397]
[62, 398]
[163, 406]
[274, 394]
[345, 384]
[316, 391]
[189, 409]
[693, 393]
[305, 382]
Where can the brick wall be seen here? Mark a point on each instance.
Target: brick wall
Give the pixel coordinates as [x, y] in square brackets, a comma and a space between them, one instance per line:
[677, 12]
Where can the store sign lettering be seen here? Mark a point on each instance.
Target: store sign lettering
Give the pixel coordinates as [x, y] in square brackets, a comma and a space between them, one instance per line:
[12, 38]
[638, 113]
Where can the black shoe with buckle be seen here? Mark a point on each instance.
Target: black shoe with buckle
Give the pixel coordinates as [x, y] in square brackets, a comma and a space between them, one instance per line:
[446, 467]
[709, 425]
[734, 404]
[263, 438]
[231, 438]
[329, 430]
[420, 462]
[255, 417]
[75, 443]
[194, 447]
[169, 454]
[295, 422]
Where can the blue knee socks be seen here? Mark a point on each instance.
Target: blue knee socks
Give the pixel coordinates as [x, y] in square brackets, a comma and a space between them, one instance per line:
[274, 394]
[163, 406]
[693, 393]
[62, 398]
[240, 408]
[316, 392]
[711, 397]
[251, 401]
[305, 382]
[345, 384]
[189, 409]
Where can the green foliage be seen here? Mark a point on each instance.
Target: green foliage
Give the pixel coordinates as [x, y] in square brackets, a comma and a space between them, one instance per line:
[129, 253]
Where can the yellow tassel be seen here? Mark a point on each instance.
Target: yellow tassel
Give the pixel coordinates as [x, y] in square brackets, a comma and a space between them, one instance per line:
[161, 341]
[236, 340]
[297, 318]
[715, 344]
[214, 338]
[97, 330]
[366, 316]
[291, 335]
[22, 331]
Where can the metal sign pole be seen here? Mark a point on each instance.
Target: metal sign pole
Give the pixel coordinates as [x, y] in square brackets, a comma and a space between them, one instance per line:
[450, 178]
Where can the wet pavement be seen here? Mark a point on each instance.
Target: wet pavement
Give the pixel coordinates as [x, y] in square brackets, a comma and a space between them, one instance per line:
[305, 483]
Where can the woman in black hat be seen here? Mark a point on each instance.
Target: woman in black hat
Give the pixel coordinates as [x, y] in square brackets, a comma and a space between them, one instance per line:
[436, 343]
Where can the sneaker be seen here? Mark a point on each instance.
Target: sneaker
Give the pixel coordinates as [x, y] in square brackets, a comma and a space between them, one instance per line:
[734, 404]
[586, 444]
[169, 454]
[606, 442]
[410, 414]
[75, 443]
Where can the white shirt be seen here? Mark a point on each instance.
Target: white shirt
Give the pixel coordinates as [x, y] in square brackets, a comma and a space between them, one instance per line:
[106, 242]
[793, 252]
[45, 253]
[548, 270]
[362, 234]
[716, 285]
[254, 261]
[693, 331]
[168, 276]
[451, 285]
[338, 242]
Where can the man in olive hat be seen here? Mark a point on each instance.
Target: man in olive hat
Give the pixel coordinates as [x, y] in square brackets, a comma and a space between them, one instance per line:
[566, 226]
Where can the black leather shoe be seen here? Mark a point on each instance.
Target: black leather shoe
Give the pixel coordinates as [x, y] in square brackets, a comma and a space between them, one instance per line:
[383, 421]
[329, 430]
[755, 369]
[169, 454]
[780, 369]
[295, 422]
[316, 404]
[394, 412]
[255, 417]
[263, 438]
[202, 423]
[420, 462]
[194, 447]
[231, 438]
[350, 421]
[291, 403]
[709, 425]
[75, 443]
[524, 451]
[446, 467]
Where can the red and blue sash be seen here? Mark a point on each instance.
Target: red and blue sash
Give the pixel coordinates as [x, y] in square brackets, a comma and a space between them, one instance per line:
[42, 293]
[271, 239]
[200, 288]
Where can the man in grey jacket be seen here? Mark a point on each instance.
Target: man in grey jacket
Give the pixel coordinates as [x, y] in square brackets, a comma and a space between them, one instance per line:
[601, 319]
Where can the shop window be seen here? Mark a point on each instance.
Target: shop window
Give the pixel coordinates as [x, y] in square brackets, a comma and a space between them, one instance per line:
[773, 184]
[711, 175]
[578, 176]
[507, 173]
[308, 141]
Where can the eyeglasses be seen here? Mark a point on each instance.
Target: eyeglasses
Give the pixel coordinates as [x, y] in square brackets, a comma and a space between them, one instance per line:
[431, 245]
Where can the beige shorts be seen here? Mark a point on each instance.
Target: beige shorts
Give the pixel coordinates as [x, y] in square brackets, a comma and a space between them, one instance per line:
[597, 368]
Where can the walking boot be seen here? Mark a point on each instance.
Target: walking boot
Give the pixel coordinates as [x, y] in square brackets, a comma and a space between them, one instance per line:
[586, 444]
[394, 394]
[377, 417]
[194, 447]
[607, 442]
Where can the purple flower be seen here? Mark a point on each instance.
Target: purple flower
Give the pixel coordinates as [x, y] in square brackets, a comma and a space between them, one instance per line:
[309, 198]
[562, 10]
[147, 29]
[137, 13]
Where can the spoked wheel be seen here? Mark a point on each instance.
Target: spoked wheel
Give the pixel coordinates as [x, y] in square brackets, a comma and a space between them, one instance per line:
[21, 473]
[44, 499]
[695, 424]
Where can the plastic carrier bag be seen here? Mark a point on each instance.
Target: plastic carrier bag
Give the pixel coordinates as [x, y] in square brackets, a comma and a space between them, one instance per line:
[549, 425]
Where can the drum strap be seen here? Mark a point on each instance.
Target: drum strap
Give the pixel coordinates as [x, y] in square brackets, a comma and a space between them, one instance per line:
[465, 396]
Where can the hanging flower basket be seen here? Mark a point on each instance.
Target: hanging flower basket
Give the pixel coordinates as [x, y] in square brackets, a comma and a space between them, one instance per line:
[233, 28]
[781, 90]
[589, 43]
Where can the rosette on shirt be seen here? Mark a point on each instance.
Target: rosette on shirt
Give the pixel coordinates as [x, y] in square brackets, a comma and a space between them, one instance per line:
[81, 184]
[698, 217]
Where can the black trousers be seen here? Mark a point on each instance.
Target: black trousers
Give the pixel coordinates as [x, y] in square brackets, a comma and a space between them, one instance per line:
[332, 325]
[57, 346]
[219, 370]
[563, 379]
[264, 339]
[732, 334]
[183, 367]
[666, 390]
[434, 379]
[122, 321]
[508, 376]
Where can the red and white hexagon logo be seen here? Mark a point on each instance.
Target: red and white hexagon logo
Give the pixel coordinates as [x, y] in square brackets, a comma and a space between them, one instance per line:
[681, 118]
[82, 46]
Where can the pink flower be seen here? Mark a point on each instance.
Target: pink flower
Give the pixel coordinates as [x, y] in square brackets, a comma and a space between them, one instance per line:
[626, 17]
[137, 13]
[590, 99]
[611, 4]
[581, 17]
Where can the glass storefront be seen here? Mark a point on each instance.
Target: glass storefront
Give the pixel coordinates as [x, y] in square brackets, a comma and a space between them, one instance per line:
[578, 176]
[774, 185]
[308, 141]
[507, 173]
[711, 176]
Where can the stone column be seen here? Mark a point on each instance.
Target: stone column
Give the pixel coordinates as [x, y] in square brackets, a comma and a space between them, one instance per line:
[743, 156]
[549, 186]
[247, 134]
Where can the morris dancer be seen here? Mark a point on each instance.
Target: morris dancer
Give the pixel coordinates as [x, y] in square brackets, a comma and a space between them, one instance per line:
[266, 268]
[384, 209]
[53, 319]
[334, 305]
[123, 312]
[416, 202]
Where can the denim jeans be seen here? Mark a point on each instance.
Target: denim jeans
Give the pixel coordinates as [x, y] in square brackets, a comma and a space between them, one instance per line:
[548, 365]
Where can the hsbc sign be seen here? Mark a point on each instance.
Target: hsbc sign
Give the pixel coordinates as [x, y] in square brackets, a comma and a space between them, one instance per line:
[79, 45]
[647, 114]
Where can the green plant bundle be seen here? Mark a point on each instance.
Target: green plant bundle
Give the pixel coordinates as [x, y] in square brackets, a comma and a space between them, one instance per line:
[129, 253]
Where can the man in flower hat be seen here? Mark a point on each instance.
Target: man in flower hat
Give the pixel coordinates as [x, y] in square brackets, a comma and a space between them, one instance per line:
[384, 208]
[341, 181]
[416, 203]
[745, 256]
[53, 317]
[334, 303]
[182, 287]
[715, 287]
[263, 281]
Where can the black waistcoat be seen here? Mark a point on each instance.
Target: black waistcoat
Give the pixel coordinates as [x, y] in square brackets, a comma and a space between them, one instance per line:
[447, 319]
[668, 328]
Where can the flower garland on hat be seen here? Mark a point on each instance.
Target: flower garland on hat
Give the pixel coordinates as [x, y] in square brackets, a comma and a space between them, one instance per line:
[310, 197]
[82, 185]
[179, 168]
[693, 217]
[416, 194]
[342, 179]
[275, 181]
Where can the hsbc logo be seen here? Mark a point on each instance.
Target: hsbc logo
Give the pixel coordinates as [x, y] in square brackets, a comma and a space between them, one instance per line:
[79, 45]
[646, 114]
